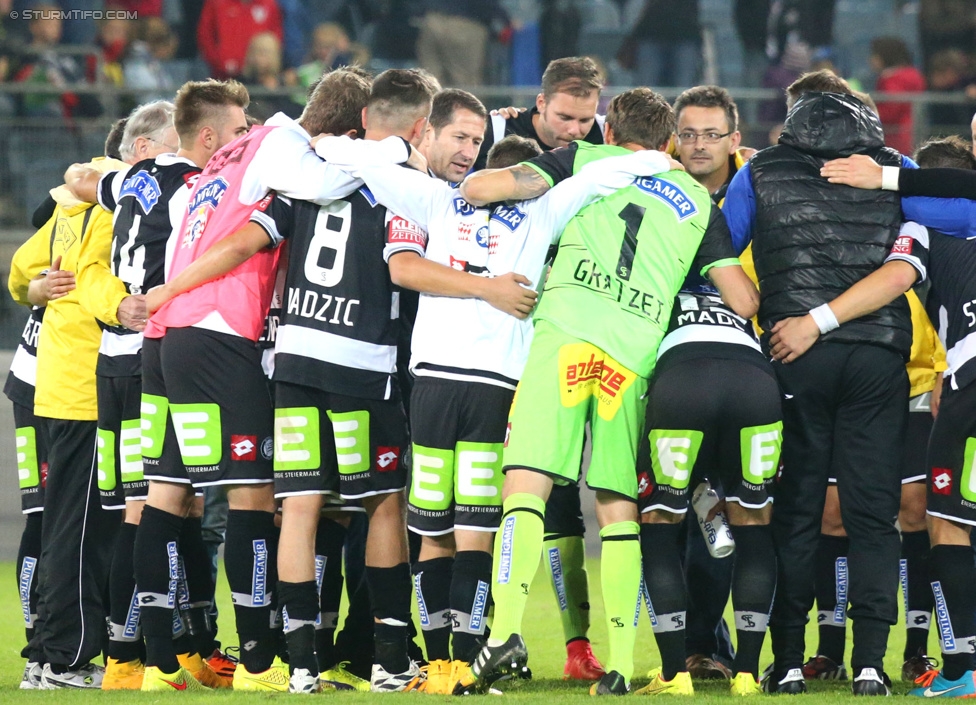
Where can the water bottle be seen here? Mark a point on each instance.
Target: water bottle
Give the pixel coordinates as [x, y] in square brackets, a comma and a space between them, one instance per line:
[718, 536]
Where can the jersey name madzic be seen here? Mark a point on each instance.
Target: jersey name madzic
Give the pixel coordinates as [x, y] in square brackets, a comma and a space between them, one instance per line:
[317, 307]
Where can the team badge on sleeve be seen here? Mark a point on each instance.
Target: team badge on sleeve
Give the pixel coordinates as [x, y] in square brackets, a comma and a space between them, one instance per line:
[203, 202]
[405, 232]
[903, 246]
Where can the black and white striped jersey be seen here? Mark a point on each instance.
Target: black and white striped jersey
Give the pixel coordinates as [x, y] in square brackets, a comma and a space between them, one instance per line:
[340, 314]
[22, 377]
[149, 202]
[948, 263]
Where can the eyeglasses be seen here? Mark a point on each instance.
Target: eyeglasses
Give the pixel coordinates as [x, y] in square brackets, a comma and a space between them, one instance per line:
[707, 137]
[168, 146]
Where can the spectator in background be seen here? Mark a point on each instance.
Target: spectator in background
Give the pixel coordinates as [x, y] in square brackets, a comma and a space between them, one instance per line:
[190, 12]
[149, 65]
[949, 72]
[395, 31]
[226, 28]
[331, 48]
[892, 61]
[295, 23]
[807, 21]
[664, 48]
[113, 38]
[145, 8]
[43, 65]
[562, 21]
[262, 69]
[793, 63]
[946, 24]
[453, 40]
[751, 19]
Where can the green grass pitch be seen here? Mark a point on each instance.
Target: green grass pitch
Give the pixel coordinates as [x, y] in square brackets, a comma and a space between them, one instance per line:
[543, 634]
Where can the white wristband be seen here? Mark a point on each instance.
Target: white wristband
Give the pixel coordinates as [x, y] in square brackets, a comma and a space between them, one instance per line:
[824, 318]
[889, 178]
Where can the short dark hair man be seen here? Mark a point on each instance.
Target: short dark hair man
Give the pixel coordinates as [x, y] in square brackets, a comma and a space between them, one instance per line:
[455, 133]
[565, 109]
[708, 138]
[707, 143]
[844, 409]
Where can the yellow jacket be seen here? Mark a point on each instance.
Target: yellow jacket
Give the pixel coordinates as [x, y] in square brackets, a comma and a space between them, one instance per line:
[928, 357]
[68, 346]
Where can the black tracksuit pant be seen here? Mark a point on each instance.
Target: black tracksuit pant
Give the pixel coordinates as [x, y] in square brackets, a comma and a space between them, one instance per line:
[77, 544]
[844, 415]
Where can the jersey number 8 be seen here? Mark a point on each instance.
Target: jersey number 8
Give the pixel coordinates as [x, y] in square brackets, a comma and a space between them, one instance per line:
[327, 250]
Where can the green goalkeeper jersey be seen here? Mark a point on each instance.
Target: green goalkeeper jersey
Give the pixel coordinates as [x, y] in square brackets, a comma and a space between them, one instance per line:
[622, 260]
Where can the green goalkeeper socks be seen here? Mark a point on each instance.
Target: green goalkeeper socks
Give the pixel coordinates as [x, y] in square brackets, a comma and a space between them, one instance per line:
[518, 547]
[620, 574]
[566, 559]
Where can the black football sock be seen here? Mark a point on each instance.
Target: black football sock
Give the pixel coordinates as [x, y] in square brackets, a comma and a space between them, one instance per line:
[28, 556]
[665, 583]
[753, 587]
[831, 591]
[250, 558]
[953, 576]
[156, 559]
[125, 637]
[389, 593]
[469, 602]
[299, 609]
[200, 586]
[917, 591]
[355, 642]
[432, 582]
[329, 538]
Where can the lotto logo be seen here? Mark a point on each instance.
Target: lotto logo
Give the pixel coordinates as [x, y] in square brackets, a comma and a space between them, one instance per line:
[903, 246]
[644, 485]
[244, 447]
[941, 481]
[387, 458]
[458, 264]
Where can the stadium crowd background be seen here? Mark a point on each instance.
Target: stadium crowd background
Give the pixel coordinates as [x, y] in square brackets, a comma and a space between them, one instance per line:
[64, 78]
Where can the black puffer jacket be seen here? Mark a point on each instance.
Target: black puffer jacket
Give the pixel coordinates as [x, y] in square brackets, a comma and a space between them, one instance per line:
[812, 240]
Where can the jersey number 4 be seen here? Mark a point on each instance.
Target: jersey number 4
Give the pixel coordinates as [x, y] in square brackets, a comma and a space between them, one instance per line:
[632, 215]
[131, 260]
[326, 256]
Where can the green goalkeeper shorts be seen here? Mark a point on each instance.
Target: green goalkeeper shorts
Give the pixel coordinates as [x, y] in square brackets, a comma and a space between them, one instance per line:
[568, 382]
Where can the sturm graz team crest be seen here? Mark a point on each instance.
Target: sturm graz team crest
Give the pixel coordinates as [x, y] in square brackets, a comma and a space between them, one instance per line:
[203, 203]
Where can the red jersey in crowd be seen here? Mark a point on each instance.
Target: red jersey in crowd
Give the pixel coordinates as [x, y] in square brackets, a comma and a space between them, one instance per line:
[226, 28]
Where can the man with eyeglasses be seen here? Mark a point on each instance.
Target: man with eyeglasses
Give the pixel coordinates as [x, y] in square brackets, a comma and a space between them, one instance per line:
[844, 410]
[708, 138]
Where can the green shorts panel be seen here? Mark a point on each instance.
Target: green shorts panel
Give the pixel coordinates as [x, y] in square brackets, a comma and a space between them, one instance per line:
[566, 383]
